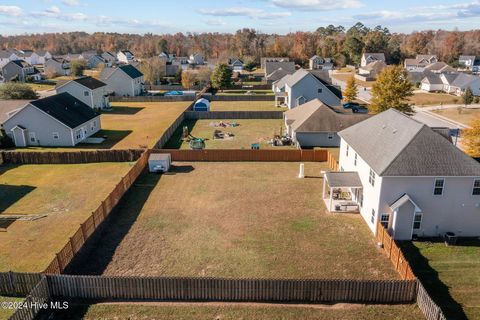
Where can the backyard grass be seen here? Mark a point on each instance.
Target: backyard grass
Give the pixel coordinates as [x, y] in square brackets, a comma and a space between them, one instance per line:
[450, 274]
[41, 86]
[247, 132]
[425, 98]
[462, 115]
[181, 311]
[245, 106]
[5, 313]
[65, 194]
[346, 76]
[234, 219]
[243, 92]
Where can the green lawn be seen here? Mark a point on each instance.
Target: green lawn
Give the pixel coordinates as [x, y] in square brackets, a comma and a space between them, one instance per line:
[247, 132]
[62, 196]
[41, 86]
[244, 106]
[5, 313]
[179, 311]
[235, 219]
[450, 274]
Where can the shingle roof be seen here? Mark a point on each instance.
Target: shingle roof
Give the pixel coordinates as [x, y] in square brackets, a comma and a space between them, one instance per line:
[131, 71]
[8, 106]
[90, 83]
[21, 63]
[393, 144]
[439, 66]
[66, 109]
[314, 116]
[343, 179]
[432, 79]
[277, 74]
[376, 56]
[106, 73]
[301, 73]
[376, 66]
[288, 66]
[463, 80]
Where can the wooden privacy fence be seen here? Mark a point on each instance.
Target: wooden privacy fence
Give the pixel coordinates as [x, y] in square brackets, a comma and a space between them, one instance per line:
[246, 155]
[170, 131]
[430, 309]
[70, 157]
[394, 253]
[18, 284]
[152, 98]
[194, 115]
[39, 295]
[87, 228]
[332, 162]
[241, 98]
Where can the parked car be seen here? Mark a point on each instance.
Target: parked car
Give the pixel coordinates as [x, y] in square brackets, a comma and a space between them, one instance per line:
[349, 105]
[359, 109]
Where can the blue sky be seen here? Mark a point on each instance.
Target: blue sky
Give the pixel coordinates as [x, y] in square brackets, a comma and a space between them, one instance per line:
[271, 16]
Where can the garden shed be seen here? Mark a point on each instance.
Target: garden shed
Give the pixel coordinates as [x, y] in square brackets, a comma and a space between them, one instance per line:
[201, 105]
[159, 162]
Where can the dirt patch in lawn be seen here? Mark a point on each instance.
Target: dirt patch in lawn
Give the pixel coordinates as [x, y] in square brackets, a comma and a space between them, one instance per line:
[245, 106]
[233, 219]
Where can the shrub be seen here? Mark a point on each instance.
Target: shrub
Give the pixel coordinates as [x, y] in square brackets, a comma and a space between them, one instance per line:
[17, 91]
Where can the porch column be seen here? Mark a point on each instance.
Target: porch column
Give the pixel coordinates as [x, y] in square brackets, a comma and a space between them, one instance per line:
[330, 202]
[324, 185]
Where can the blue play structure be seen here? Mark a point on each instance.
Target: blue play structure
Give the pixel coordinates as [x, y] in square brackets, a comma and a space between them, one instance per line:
[201, 105]
[174, 93]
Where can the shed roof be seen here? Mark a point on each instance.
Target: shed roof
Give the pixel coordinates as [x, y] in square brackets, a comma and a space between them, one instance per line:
[343, 179]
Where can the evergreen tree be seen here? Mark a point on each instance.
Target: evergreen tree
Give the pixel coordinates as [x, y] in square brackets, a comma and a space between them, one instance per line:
[17, 91]
[468, 97]
[221, 77]
[351, 90]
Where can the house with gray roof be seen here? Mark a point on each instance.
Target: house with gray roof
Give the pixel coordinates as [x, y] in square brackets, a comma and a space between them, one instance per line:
[468, 62]
[420, 62]
[314, 124]
[125, 80]
[407, 177]
[319, 63]
[6, 56]
[272, 66]
[89, 90]
[462, 82]
[264, 60]
[57, 66]
[56, 121]
[20, 70]
[371, 57]
[125, 56]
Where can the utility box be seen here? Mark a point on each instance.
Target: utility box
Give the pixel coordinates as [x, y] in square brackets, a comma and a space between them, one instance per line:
[159, 162]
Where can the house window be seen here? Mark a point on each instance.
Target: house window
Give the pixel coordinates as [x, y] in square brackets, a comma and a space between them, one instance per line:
[372, 219]
[417, 221]
[78, 134]
[319, 90]
[32, 137]
[476, 187]
[55, 135]
[438, 188]
[86, 93]
[355, 160]
[384, 220]
[330, 135]
[371, 178]
[346, 153]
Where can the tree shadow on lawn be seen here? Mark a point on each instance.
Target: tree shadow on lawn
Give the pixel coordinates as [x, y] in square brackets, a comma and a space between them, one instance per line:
[123, 110]
[175, 141]
[10, 194]
[100, 249]
[429, 277]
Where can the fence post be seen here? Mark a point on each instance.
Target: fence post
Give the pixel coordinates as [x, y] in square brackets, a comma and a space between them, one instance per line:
[10, 279]
[59, 262]
[71, 245]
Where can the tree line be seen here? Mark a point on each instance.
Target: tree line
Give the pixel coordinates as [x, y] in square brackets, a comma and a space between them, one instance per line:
[344, 45]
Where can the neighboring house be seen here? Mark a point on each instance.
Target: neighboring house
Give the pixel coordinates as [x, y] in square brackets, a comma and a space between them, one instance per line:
[431, 83]
[271, 66]
[43, 56]
[462, 82]
[439, 67]
[57, 121]
[467, 62]
[57, 66]
[407, 177]
[277, 75]
[196, 59]
[125, 56]
[371, 57]
[236, 64]
[75, 56]
[89, 90]
[110, 58]
[124, 80]
[304, 86]
[420, 62]
[29, 56]
[315, 124]
[264, 60]
[6, 56]
[20, 70]
[370, 71]
[319, 63]
[95, 60]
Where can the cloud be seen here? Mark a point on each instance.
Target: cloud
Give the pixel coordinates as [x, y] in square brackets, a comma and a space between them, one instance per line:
[253, 13]
[317, 5]
[53, 10]
[12, 11]
[71, 3]
[215, 22]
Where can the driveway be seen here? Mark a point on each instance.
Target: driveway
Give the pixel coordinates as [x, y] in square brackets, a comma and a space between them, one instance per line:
[363, 92]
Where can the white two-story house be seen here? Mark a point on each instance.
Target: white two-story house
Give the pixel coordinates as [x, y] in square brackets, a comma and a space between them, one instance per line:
[406, 176]
[124, 80]
[125, 56]
[89, 90]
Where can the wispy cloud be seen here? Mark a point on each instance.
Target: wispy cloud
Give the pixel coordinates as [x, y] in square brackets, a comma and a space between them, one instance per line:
[12, 11]
[253, 13]
[71, 3]
[317, 5]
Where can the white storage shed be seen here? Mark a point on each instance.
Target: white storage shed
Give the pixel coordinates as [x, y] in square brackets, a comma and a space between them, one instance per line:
[159, 162]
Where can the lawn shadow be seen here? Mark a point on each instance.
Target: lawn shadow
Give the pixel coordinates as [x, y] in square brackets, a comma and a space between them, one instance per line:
[112, 137]
[10, 194]
[123, 110]
[100, 249]
[175, 142]
[179, 169]
[429, 277]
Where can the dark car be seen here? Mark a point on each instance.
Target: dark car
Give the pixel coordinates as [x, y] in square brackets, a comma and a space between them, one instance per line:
[359, 109]
[349, 105]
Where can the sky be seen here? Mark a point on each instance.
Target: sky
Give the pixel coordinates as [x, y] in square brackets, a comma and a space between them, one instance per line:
[270, 16]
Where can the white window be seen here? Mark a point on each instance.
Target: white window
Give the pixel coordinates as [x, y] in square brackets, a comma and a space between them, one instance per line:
[417, 221]
[330, 135]
[372, 219]
[438, 187]
[55, 135]
[355, 160]
[476, 187]
[86, 93]
[371, 178]
[346, 153]
[384, 220]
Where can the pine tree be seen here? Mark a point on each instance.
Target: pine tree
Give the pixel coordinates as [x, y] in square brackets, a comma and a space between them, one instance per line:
[221, 77]
[467, 96]
[391, 90]
[471, 138]
[351, 90]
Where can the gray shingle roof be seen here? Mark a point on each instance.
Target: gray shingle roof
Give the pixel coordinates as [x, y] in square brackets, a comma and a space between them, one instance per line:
[433, 79]
[463, 80]
[288, 66]
[343, 179]
[393, 144]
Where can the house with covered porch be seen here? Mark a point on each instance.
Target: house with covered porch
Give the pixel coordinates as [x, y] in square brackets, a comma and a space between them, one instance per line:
[406, 176]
